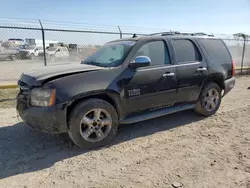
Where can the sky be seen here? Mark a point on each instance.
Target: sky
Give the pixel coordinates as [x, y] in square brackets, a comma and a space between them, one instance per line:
[213, 16]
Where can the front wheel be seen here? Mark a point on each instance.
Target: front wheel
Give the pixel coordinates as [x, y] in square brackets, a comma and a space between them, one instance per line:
[93, 123]
[52, 58]
[32, 56]
[13, 58]
[209, 100]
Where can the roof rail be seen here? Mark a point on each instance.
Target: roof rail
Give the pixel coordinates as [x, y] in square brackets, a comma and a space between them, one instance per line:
[166, 33]
[179, 33]
[134, 35]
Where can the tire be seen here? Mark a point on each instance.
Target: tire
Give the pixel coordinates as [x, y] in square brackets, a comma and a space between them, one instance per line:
[32, 56]
[13, 58]
[79, 130]
[52, 58]
[209, 100]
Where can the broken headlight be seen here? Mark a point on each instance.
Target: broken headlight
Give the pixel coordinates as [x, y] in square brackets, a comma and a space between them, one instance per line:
[42, 97]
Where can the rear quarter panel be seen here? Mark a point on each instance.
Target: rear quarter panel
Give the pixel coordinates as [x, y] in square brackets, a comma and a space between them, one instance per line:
[218, 66]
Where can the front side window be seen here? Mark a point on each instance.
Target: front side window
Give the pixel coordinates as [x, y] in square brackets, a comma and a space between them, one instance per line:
[156, 51]
[186, 51]
[110, 54]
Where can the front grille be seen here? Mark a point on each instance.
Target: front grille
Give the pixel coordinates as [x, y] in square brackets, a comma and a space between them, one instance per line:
[23, 53]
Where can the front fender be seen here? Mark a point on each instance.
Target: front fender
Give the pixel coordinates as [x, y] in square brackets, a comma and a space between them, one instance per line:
[108, 95]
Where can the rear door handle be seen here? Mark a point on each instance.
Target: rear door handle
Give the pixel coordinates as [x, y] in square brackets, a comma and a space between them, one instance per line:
[202, 69]
[168, 74]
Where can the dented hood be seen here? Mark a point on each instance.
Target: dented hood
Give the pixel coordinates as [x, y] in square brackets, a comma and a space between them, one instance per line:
[40, 75]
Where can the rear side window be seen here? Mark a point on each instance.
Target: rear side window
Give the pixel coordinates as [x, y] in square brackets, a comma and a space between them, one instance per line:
[186, 51]
[216, 49]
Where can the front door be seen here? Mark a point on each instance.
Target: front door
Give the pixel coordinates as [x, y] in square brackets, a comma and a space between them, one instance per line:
[154, 86]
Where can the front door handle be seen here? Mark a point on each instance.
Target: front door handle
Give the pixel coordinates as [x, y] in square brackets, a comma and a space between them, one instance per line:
[202, 69]
[168, 74]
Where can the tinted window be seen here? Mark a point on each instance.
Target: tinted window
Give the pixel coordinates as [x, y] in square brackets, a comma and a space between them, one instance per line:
[156, 51]
[216, 49]
[186, 51]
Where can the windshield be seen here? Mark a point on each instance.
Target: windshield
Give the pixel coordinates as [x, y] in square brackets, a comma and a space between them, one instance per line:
[110, 54]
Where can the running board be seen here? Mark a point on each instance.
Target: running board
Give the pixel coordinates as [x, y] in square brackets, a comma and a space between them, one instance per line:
[154, 114]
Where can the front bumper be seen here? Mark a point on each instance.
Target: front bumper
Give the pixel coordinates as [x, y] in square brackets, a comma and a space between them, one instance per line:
[23, 54]
[229, 85]
[46, 119]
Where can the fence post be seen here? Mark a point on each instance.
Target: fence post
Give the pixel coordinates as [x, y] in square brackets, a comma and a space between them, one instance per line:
[243, 55]
[43, 38]
[120, 32]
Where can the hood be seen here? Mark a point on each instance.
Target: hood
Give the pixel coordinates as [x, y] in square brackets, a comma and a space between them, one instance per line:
[40, 75]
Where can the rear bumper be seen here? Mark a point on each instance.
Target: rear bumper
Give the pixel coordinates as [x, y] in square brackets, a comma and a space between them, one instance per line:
[46, 119]
[229, 85]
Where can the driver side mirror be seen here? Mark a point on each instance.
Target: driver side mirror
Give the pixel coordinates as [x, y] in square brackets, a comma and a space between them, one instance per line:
[140, 61]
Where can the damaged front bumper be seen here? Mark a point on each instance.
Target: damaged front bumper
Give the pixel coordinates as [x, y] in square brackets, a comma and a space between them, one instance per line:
[46, 119]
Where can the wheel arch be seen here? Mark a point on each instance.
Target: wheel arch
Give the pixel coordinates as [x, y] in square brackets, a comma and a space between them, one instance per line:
[217, 78]
[111, 97]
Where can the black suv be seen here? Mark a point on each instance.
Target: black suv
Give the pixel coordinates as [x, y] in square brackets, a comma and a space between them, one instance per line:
[127, 81]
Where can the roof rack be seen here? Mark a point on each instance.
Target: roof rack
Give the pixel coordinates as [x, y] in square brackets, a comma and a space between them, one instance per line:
[179, 33]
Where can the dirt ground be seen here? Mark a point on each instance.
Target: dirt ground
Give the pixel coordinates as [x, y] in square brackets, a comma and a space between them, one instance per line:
[182, 149]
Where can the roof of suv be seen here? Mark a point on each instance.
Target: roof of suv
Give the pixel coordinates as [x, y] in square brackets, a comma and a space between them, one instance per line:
[162, 35]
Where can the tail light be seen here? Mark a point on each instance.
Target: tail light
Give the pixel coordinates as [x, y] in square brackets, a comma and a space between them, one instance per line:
[233, 68]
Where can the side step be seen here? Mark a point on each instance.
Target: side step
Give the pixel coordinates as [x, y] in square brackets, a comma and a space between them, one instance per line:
[155, 113]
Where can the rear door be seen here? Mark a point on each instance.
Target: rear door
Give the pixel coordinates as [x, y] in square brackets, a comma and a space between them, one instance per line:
[191, 68]
[153, 86]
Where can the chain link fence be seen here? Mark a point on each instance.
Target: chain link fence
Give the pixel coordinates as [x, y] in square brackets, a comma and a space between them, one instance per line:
[24, 47]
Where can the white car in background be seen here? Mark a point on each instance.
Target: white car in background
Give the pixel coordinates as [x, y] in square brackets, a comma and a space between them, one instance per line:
[56, 53]
[30, 52]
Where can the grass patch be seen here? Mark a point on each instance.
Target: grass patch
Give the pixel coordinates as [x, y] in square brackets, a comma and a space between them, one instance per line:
[8, 98]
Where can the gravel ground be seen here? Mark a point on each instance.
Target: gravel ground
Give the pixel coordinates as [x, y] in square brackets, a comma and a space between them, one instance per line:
[182, 149]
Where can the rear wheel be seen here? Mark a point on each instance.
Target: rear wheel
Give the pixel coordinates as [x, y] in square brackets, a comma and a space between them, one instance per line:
[93, 123]
[209, 100]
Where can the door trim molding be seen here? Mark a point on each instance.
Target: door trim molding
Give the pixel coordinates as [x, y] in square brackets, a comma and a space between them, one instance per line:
[168, 66]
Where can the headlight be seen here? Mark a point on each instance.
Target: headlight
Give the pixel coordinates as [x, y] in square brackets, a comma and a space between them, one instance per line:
[43, 97]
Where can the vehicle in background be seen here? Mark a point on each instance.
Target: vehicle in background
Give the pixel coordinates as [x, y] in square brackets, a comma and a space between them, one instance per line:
[10, 45]
[57, 53]
[39, 42]
[8, 53]
[33, 48]
[30, 52]
[16, 41]
[80, 52]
